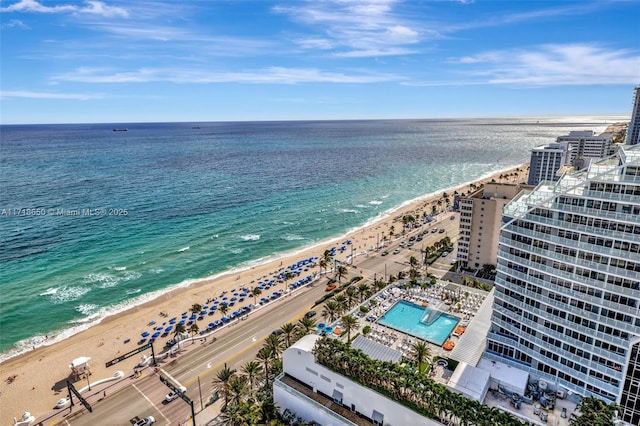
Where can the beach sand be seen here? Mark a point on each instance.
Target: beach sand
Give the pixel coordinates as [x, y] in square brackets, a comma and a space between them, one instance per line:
[34, 381]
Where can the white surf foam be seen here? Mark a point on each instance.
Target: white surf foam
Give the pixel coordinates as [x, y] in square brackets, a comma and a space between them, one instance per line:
[250, 237]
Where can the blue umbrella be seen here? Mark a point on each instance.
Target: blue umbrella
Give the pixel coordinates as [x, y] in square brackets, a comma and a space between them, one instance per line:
[144, 334]
[156, 334]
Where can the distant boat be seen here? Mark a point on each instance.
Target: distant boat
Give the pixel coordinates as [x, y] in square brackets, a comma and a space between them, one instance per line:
[195, 127]
[120, 130]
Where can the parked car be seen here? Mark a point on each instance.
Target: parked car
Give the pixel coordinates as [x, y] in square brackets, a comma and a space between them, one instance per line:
[396, 251]
[384, 253]
[310, 314]
[331, 287]
[441, 230]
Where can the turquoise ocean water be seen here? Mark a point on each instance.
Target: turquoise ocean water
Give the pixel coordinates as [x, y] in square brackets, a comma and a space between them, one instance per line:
[94, 221]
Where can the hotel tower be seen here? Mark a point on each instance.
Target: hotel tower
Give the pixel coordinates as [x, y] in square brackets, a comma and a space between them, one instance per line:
[567, 291]
[633, 129]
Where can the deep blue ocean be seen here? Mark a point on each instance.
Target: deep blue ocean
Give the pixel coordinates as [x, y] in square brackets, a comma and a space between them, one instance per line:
[93, 220]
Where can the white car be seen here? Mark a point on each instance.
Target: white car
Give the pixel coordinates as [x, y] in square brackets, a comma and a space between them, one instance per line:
[62, 402]
[174, 395]
[145, 422]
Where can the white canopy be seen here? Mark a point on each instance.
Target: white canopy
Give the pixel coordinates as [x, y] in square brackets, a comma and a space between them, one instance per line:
[79, 361]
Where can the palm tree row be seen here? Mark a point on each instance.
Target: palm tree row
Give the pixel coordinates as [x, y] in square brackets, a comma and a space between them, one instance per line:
[410, 388]
[248, 394]
[342, 303]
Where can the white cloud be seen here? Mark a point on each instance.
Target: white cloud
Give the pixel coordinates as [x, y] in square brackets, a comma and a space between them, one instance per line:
[556, 64]
[270, 75]
[46, 95]
[92, 7]
[356, 28]
[14, 23]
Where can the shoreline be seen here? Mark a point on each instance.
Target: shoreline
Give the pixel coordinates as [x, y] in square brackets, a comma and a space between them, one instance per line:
[56, 336]
[104, 339]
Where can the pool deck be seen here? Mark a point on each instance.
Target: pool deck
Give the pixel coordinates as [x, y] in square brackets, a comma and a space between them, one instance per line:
[471, 306]
[440, 296]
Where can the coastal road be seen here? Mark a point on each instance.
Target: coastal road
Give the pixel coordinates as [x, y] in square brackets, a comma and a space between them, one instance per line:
[375, 265]
[197, 366]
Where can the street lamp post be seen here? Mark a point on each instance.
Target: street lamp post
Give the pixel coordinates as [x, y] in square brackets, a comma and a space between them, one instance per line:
[88, 382]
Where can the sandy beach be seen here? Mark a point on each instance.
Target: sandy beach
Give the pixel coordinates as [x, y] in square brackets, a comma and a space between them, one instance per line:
[30, 382]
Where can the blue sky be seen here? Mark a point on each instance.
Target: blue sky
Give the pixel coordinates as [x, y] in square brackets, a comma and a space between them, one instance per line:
[129, 61]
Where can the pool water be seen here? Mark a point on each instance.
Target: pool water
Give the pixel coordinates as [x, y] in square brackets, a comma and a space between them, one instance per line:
[407, 318]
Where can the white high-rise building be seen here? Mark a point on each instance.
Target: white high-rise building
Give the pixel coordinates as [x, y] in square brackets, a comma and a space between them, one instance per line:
[567, 291]
[585, 146]
[546, 160]
[633, 129]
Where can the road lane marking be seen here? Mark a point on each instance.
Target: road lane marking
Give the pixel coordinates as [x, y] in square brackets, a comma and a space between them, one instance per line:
[152, 404]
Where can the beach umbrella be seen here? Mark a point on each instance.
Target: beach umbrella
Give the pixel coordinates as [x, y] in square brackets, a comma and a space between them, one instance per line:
[144, 334]
[233, 299]
[156, 334]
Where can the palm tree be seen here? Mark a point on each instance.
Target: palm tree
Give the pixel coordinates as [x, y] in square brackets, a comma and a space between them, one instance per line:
[222, 380]
[287, 276]
[224, 309]
[255, 293]
[306, 324]
[420, 352]
[349, 323]
[414, 274]
[379, 284]
[274, 343]
[238, 389]
[330, 310]
[593, 411]
[351, 295]
[193, 329]
[287, 330]
[343, 303]
[324, 264]
[363, 290]
[196, 308]
[341, 271]
[413, 262]
[180, 328]
[265, 355]
[251, 369]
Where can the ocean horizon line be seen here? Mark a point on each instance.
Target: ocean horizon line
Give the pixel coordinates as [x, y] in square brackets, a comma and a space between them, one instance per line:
[565, 118]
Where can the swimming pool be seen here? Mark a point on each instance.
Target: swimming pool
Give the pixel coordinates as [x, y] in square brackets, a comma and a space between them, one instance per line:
[408, 318]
